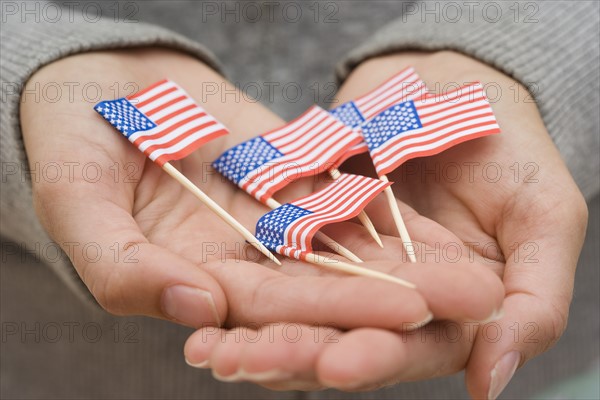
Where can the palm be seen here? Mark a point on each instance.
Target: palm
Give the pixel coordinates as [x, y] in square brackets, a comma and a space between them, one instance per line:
[174, 235]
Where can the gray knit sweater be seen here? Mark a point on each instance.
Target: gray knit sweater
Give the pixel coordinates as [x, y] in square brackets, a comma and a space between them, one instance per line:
[553, 45]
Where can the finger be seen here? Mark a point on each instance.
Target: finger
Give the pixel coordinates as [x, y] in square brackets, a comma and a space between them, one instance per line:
[199, 346]
[126, 274]
[259, 295]
[278, 356]
[300, 357]
[463, 290]
[538, 277]
[367, 358]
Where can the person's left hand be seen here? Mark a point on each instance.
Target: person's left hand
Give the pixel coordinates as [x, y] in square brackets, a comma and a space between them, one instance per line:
[515, 205]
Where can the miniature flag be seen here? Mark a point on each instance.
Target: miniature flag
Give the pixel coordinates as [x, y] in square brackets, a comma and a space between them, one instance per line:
[406, 85]
[428, 126]
[289, 229]
[163, 121]
[306, 146]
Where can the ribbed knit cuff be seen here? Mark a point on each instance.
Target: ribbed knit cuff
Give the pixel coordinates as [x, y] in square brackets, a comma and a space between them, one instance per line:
[25, 48]
[552, 46]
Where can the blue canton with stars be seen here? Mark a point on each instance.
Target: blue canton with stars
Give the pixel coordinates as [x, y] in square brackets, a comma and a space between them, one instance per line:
[349, 114]
[270, 228]
[395, 120]
[124, 116]
[240, 160]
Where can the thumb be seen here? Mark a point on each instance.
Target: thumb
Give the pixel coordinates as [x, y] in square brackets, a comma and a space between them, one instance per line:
[125, 273]
[541, 245]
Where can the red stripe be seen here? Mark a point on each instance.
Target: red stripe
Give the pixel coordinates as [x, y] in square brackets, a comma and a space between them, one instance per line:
[384, 107]
[404, 71]
[310, 135]
[353, 214]
[168, 130]
[451, 106]
[144, 91]
[274, 131]
[155, 97]
[352, 187]
[437, 150]
[179, 138]
[327, 195]
[189, 148]
[350, 153]
[436, 139]
[289, 158]
[300, 172]
[449, 96]
[336, 197]
[179, 112]
[163, 106]
[385, 103]
[401, 138]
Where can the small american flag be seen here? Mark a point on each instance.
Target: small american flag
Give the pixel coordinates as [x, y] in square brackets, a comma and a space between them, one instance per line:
[289, 229]
[163, 121]
[406, 85]
[306, 146]
[428, 126]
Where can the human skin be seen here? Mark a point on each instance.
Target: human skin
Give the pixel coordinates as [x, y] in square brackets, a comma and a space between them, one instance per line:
[536, 220]
[172, 278]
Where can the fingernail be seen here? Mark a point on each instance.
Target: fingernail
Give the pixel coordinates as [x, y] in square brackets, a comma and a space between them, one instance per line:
[496, 316]
[265, 376]
[412, 326]
[190, 306]
[201, 364]
[502, 373]
[226, 378]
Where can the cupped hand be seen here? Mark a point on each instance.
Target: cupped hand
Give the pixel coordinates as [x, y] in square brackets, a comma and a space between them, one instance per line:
[507, 200]
[510, 198]
[144, 245]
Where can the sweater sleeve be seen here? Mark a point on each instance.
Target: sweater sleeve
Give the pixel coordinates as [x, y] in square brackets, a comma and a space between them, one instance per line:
[26, 46]
[549, 46]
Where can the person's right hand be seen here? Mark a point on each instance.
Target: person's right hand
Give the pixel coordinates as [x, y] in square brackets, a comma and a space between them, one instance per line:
[144, 245]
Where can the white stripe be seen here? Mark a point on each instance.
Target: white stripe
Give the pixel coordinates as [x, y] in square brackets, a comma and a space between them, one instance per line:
[341, 201]
[187, 141]
[340, 141]
[312, 140]
[166, 124]
[430, 146]
[174, 108]
[302, 135]
[399, 98]
[163, 100]
[294, 125]
[322, 197]
[427, 106]
[399, 78]
[159, 89]
[421, 135]
[176, 132]
[403, 89]
[357, 203]
[465, 108]
[293, 167]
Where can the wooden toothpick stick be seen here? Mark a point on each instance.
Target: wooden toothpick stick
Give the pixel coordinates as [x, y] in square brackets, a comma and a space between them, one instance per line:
[354, 270]
[332, 244]
[362, 217]
[224, 215]
[406, 242]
